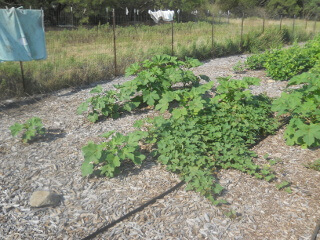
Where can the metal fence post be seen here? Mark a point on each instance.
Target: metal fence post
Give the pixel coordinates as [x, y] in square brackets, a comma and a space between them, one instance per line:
[280, 22]
[22, 76]
[241, 33]
[114, 42]
[293, 26]
[315, 23]
[212, 36]
[263, 23]
[172, 52]
[306, 26]
[228, 16]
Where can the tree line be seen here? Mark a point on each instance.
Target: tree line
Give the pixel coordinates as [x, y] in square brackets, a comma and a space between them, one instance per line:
[83, 9]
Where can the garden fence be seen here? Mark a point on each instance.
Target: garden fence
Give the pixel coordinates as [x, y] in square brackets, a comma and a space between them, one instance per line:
[79, 54]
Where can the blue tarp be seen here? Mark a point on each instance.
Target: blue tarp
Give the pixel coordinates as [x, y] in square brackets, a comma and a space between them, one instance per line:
[22, 36]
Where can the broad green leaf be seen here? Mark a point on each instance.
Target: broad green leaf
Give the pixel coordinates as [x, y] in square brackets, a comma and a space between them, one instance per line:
[150, 97]
[86, 168]
[92, 152]
[309, 133]
[82, 107]
[138, 158]
[179, 112]
[97, 89]
[107, 134]
[93, 117]
[133, 69]
[163, 105]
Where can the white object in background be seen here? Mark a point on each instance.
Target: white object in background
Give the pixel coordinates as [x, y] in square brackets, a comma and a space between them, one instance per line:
[194, 12]
[127, 11]
[164, 15]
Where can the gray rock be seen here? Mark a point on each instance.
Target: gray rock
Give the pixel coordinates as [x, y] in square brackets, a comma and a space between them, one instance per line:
[44, 199]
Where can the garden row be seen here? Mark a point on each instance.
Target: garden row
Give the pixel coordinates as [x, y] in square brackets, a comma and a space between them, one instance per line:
[203, 132]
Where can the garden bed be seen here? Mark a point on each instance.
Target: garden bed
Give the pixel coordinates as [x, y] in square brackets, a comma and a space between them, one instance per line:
[256, 210]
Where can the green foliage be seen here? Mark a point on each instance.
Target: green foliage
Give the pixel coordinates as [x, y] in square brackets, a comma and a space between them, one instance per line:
[217, 136]
[311, 7]
[283, 64]
[286, 63]
[153, 86]
[239, 67]
[285, 8]
[231, 214]
[256, 61]
[285, 186]
[202, 136]
[303, 106]
[314, 165]
[31, 128]
[105, 158]
[101, 104]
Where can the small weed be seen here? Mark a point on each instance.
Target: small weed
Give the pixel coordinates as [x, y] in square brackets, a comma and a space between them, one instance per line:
[315, 165]
[272, 161]
[30, 129]
[285, 186]
[231, 214]
[239, 67]
[266, 156]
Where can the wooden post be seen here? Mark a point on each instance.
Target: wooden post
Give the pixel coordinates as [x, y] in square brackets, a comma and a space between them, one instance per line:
[306, 26]
[22, 76]
[114, 42]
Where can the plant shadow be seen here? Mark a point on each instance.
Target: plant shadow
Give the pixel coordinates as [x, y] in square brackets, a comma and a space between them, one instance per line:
[49, 136]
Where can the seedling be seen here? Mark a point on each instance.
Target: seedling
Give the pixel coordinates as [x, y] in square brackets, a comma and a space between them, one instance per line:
[31, 128]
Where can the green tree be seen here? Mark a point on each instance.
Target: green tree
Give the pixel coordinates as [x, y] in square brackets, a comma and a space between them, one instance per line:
[239, 6]
[311, 7]
[286, 8]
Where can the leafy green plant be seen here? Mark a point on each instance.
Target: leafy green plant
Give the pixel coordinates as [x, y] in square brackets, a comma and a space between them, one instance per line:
[271, 161]
[231, 214]
[31, 128]
[239, 67]
[256, 61]
[285, 186]
[303, 106]
[105, 158]
[314, 165]
[155, 81]
[202, 136]
[286, 63]
[283, 64]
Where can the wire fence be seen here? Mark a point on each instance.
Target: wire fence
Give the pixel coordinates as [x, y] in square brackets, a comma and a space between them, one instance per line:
[79, 54]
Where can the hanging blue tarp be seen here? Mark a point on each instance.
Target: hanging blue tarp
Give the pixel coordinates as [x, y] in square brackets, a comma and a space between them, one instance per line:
[22, 36]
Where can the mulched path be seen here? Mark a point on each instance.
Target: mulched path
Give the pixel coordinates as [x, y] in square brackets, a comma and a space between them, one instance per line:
[53, 163]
